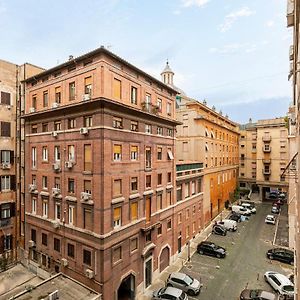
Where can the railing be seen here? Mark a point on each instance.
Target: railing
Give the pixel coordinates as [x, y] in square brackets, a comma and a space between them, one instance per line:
[266, 161]
[187, 167]
[4, 222]
[266, 172]
[151, 108]
[266, 149]
[267, 138]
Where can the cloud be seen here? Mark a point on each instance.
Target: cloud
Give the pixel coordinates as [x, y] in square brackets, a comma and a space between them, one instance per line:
[232, 17]
[234, 48]
[270, 23]
[189, 3]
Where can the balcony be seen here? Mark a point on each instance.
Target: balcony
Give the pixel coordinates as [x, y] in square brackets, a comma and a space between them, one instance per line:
[150, 108]
[290, 13]
[4, 222]
[266, 138]
[266, 161]
[189, 167]
[266, 172]
[266, 149]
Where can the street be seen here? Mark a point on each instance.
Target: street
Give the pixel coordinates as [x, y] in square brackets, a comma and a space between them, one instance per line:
[244, 264]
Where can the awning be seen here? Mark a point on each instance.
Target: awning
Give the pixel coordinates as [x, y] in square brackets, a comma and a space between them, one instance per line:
[290, 166]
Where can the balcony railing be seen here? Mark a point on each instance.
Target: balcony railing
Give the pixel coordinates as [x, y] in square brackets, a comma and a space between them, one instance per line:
[150, 108]
[266, 138]
[188, 167]
[266, 161]
[266, 172]
[267, 150]
[4, 222]
[290, 12]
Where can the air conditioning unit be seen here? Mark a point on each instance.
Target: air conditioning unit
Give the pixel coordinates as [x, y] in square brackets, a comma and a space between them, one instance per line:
[31, 109]
[55, 105]
[55, 224]
[54, 295]
[55, 192]
[64, 262]
[32, 188]
[89, 273]
[86, 97]
[85, 196]
[54, 133]
[56, 167]
[5, 166]
[84, 130]
[31, 243]
[69, 164]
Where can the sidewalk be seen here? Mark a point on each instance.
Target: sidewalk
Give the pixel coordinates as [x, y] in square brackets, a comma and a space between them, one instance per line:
[282, 232]
[182, 258]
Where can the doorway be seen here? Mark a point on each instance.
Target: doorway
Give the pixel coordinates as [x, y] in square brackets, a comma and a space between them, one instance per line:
[148, 272]
[126, 290]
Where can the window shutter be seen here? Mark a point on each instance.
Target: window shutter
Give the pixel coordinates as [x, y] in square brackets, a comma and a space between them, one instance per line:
[11, 157]
[13, 209]
[5, 98]
[2, 244]
[1, 156]
[13, 182]
[117, 213]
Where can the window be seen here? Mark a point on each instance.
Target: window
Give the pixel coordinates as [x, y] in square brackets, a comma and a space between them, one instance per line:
[148, 128]
[159, 201]
[71, 123]
[57, 153]
[133, 244]
[57, 244]
[117, 217]
[148, 181]
[187, 232]
[87, 257]
[44, 239]
[159, 179]
[71, 250]
[134, 184]
[117, 254]
[5, 98]
[159, 104]
[159, 153]
[193, 187]
[58, 94]
[71, 185]
[33, 235]
[134, 152]
[87, 186]
[45, 153]
[169, 132]
[179, 192]
[57, 182]
[159, 130]
[5, 211]
[169, 177]
[71, 153]
[133, 95]
[117, 88]
[45, 208]
[57, 125]
[5, 183]
[169, 109]
[33, 206]
[134, 210]
[33, 101]
[169, 197]
[88, 85]
[187, 189]
[88, 158]
[117, 152]
[57, 211]
[170, 154]
[148, 236]
[117, 187]
[169, 224]
[159, 229]
[179, 218]
[45, 99]
[117, 122]
[72, 91]
[134, 126]
[34, 128]
[5, 129]
[44, 182]
[7, 156]
[87, 219]
[44, 127]
[148, 157]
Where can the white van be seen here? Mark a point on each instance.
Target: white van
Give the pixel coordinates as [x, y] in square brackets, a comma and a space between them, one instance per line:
[250, 207]
[240, 209]
[228, 224]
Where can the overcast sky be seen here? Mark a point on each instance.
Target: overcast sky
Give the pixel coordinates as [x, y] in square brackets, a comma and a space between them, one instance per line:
[233, 53]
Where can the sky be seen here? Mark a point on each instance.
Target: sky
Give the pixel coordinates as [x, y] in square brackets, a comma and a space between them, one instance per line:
[232, 53]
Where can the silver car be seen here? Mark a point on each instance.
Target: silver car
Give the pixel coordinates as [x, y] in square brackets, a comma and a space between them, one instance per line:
[184, 282]
[169, 293]
[280, 283]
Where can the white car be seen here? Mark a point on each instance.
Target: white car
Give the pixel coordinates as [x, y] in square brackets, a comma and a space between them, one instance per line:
[270, 219]
[169, 293]
[280, 283]
[228, 224]
[250, 207]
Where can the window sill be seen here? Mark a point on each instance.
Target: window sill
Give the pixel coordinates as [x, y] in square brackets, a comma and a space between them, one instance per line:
[87, 172]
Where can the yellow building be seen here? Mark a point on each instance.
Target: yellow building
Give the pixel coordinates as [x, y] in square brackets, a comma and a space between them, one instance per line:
[263, 156]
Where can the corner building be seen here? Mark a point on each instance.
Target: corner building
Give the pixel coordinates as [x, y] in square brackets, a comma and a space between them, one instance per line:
[100, 173]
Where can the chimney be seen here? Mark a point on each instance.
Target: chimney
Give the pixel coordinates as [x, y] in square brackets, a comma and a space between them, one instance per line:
[71, 57]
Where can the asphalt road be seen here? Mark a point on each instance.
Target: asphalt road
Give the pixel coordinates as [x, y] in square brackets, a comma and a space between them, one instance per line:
[244, 264]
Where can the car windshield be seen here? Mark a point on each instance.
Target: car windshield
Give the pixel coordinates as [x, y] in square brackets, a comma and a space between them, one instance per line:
[189, 280]
[162, 291]
[182, 296]
[288, 288]
[253, 294]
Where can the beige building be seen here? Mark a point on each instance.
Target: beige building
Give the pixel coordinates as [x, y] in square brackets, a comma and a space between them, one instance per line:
[264, 156]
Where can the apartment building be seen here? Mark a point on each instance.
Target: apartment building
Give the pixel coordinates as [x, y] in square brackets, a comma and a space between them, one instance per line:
[10, 76]
[293, 14]
[101, 174]
[209, 137]
[264, 154]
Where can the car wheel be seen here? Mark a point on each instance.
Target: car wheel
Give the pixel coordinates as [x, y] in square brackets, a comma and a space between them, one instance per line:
[200, 252]
[191, 293]
[224, 233]
[218, 255]
[270, 257]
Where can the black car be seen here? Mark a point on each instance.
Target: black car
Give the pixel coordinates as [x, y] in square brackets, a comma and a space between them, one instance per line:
[281, 254]
[219, 230]
[210, 248]
[235, 217]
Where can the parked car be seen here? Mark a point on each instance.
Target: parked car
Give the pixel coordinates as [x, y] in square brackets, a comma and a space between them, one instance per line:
[210, 248]
[235, 217]
[185, 282]
[250, 207]
[281, 254]
[257, 295]
[278, 202]
[273, 195]
[169, 293]
[219, 230]
[270, 219]
[228, 224]
[280, 283]
[282, 196]
[240, 209]
[275, 210]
